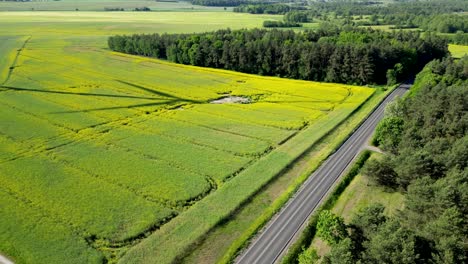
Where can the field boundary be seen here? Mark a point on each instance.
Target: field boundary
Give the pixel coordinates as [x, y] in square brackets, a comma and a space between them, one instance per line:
[13, 65]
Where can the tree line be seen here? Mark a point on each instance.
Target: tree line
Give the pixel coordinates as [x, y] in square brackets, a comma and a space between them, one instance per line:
[261, 8]
[443, 23]
[353, 55]
[437, 16]
[426, 143]
[424, 8]
[237, 2]
[459, 38]
[368, 8]
[122, 9]
[280, 24]
[219, 2]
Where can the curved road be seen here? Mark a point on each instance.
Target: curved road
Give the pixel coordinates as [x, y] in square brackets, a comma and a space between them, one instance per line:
[276, 237]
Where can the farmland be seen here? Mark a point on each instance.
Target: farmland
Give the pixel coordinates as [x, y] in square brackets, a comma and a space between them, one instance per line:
[123, 158]
[101, 5]
[458, 51]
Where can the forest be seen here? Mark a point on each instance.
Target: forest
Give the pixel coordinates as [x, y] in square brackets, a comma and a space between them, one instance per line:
[347, 55]
[434, 16]
[425, 140]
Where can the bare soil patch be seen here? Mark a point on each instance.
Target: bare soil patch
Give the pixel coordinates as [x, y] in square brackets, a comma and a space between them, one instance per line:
[232, 100]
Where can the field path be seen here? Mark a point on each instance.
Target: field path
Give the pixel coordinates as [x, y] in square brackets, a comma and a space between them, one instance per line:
[282, 230]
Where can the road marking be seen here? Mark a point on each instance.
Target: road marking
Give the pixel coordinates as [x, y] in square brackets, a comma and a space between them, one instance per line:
[4, 260]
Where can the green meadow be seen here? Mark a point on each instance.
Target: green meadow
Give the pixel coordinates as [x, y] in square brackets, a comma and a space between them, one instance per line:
[101, 5]
[106, 157]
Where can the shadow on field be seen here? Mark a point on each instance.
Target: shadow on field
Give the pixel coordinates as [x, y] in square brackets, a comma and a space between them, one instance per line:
[159, 93]
[163, 98]
[116, 107]
[80, 94]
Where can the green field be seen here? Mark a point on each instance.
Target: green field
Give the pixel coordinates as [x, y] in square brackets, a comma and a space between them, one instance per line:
[458, 51]
[124, 158]
[100, 5]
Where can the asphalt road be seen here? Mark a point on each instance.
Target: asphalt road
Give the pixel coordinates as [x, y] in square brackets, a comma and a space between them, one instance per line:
[277, 236]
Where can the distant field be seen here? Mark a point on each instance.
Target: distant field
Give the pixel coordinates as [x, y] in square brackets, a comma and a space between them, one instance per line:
[103, 153]
[96, 26]
[458, 51]
[100, 5]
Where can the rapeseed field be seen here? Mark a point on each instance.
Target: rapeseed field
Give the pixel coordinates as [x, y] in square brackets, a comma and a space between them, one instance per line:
[458, 51]
[106, 156]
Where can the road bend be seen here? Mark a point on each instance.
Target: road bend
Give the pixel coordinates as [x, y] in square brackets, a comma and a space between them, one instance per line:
[276, 237]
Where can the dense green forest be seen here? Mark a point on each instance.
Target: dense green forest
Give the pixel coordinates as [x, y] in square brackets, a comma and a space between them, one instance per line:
[353, 55]
[426, 143]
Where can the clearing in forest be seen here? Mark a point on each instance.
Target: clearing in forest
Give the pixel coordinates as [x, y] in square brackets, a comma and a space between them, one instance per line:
[458, 51]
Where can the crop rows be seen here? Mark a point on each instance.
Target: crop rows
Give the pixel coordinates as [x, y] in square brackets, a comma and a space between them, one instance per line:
[240, 127]
[253, 116]
[89, 203]
[223, 141]
[32, 237]
[147, 177]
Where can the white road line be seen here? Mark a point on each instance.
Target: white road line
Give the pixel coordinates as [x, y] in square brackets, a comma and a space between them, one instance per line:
[4, 260]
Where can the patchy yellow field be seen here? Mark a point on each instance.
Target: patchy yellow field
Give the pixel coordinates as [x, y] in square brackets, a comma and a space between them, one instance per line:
[458, 51]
